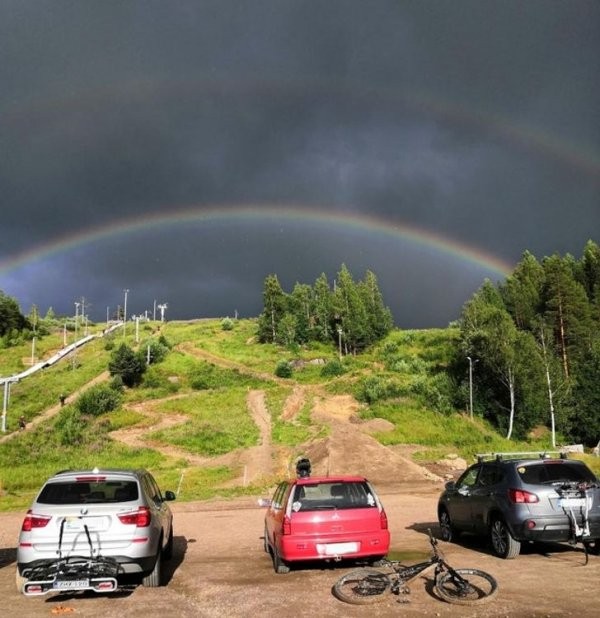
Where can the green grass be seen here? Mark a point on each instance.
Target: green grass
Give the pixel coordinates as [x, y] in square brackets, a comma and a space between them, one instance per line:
[218, 423]
[404, 368]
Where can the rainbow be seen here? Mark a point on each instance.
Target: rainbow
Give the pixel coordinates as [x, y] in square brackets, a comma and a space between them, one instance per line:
[526, 138]
[263, 213]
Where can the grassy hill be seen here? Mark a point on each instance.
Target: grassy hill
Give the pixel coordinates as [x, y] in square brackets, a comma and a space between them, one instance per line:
[190, 421]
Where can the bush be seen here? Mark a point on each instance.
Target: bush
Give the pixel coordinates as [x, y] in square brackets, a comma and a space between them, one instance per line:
[375, 388]
[70, 426]
[158, 350]
[227, 324]
[127, 364]
[333, 368]
[283, 369]
[98, 400]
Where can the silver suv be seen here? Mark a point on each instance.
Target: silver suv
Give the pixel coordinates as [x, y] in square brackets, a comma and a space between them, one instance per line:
[515, 498]
[87, 527]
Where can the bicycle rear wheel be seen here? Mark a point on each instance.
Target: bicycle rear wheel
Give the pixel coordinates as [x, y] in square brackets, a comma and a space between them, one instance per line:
[362, 587]
[466, 586]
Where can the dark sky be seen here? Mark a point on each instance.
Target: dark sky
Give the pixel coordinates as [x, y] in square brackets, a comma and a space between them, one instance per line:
[185, 150]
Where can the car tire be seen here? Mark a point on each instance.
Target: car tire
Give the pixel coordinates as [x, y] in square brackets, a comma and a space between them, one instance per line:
[153, 579]
[167, 553]
[593, 547]
[503, 544]
[20, 581]
[448, 531]
[281, 568]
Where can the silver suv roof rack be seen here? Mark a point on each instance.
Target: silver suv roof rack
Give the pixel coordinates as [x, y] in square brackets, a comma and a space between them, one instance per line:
[522, 455]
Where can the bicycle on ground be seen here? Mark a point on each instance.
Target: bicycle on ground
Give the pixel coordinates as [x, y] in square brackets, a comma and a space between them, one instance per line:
[366, 585]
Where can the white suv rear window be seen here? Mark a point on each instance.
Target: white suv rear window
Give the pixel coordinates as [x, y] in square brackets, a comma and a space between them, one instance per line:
[88, 492]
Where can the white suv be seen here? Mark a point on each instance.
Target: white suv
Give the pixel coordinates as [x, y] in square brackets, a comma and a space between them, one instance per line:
[87, 527]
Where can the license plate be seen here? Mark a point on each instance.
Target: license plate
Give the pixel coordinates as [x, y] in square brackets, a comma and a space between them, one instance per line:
[76, 523]
[337, 549]
[71, 584]
[571, 502]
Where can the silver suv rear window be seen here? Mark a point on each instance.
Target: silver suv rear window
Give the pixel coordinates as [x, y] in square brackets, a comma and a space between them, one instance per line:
[88, 492]
[323, 496]
[554, 472]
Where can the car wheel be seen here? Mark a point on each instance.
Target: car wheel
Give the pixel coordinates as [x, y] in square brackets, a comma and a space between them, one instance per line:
[153, 579]
[20, 581]
[503, 544]
[168, 550]
[593, 547]
[448, 532]
[278, 564]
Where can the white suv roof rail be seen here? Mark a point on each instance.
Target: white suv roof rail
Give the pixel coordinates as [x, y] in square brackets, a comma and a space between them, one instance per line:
[521, 455]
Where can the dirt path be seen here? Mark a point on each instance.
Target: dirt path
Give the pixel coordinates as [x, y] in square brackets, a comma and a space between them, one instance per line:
[54, 410]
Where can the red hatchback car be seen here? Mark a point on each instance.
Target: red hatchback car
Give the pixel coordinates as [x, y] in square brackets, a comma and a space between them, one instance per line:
[325, 518]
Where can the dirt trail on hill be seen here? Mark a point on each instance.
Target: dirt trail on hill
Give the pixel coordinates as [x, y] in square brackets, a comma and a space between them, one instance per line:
[348, 448]
[54, 410]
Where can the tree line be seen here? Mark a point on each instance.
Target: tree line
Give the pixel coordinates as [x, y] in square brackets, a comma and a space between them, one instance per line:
[350, 314]
[534, 347]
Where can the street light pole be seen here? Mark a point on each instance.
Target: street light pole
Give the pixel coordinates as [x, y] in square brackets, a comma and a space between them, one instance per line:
[76, 317]
[125, 312]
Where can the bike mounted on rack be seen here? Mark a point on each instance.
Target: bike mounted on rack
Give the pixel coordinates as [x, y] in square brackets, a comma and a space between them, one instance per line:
[576, 500]
[72, 573]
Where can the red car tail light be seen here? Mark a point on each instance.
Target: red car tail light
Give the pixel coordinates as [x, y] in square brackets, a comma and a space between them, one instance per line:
[383, 521]
[286, 526]
[140, 518]
[520, 496]
[34, 521]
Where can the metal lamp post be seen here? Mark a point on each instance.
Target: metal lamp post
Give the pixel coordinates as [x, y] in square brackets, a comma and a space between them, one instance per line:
[126, 291]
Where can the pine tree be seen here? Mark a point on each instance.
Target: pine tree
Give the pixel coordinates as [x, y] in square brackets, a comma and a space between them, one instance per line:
[275, 306]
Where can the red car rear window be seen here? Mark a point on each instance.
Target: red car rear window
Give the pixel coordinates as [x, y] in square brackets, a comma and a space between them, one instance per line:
[333, 495]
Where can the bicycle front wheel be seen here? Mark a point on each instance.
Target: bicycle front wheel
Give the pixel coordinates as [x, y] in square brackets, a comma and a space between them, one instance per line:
[466, 586]
[362, 587]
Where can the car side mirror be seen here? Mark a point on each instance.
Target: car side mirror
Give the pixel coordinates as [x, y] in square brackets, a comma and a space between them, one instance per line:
[450, 485]
[169, 495]
[264, 502]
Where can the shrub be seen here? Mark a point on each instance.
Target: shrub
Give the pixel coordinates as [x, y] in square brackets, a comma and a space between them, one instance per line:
[227, 324]
[333, 368]
[283, 369]
[376, 388]
[98, 400]
[127, 364]
[70, 426]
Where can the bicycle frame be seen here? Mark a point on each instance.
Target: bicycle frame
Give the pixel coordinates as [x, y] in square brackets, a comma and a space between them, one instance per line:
[577, 496]
[405, 575]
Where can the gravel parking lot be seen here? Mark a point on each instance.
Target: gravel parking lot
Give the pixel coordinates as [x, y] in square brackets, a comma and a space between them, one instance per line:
[220, 569]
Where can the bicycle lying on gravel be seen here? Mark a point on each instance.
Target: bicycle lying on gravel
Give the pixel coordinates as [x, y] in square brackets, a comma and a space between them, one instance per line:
[460, 586]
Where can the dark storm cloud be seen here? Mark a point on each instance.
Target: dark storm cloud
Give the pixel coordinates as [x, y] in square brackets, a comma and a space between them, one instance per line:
[475, 120]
